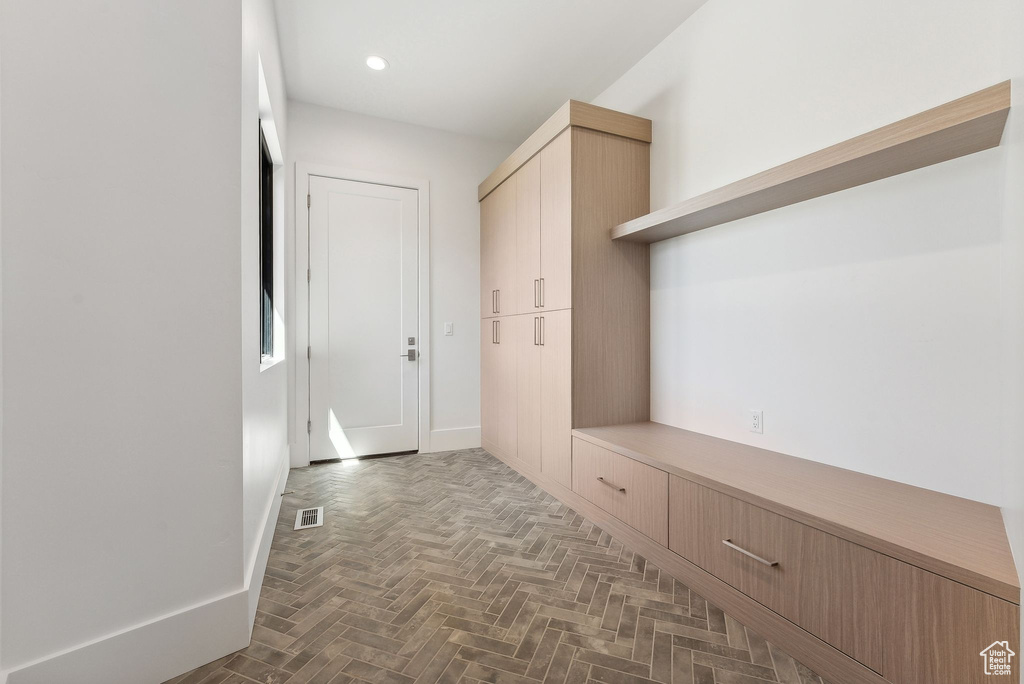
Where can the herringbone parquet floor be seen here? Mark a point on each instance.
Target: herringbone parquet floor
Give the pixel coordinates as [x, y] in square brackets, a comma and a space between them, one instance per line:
[454, 569]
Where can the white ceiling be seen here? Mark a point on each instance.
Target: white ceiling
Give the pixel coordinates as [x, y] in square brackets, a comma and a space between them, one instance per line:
[490, 68]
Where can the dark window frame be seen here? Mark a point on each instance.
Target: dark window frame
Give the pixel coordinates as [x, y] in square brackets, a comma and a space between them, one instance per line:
[266, 250]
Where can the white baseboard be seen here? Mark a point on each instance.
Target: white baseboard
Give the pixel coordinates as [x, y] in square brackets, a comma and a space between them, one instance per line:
[150, 652]
[255, 573]
[155, 651]
[453, 439]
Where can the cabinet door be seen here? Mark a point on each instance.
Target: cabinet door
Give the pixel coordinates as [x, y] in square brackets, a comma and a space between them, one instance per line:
[528, 236]
[503, 248]
[529, 389]
[488, 384]
[507, 407]
[556, 396]
[556, 223]
[498, 250]
[488, 221]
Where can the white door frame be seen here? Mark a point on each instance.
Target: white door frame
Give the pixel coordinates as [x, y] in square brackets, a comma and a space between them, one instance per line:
[303, 171]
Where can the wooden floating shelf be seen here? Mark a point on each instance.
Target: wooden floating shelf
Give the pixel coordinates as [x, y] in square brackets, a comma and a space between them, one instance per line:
[955, 129]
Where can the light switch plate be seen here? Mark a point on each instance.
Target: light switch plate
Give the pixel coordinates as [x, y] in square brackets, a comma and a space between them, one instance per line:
[449, 329]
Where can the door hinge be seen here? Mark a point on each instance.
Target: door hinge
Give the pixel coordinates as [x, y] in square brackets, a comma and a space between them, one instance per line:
[309, 352]
[308, 201]
[309, 426]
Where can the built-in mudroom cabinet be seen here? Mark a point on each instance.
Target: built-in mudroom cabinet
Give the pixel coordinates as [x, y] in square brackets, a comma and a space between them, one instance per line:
[564, 333]
[865, 580]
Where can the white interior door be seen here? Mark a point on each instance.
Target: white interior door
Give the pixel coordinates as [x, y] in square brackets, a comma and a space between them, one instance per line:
[363, 319]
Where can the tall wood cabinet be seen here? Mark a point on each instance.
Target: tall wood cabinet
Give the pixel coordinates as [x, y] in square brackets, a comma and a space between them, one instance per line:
[564, 310]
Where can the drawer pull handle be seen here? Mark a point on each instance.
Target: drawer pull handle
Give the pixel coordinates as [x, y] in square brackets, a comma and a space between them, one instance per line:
[613, 486]
[770, 564]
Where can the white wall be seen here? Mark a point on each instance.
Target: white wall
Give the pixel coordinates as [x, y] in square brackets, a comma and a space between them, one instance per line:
[264, 391]
[1011, 470]
[141, 444]
[3, 677]
[866, 324]
[875, 327]
[121, 372]
[454, 165]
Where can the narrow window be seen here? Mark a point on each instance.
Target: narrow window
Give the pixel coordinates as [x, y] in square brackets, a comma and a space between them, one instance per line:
[266, 250]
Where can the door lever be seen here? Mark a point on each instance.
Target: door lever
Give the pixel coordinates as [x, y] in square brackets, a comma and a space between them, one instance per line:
[411, 355]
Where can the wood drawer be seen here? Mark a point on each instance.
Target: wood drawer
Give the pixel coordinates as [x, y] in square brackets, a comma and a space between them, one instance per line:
[633, 492]
[908, 624]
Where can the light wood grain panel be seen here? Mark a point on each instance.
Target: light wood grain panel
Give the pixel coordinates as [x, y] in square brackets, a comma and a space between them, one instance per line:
[556, 223]
[488, 228]
[832, 664]
[611, 281]
[594, 477]
[585, 115]
[507, 395]
[489, 382]
[503, 260]
[572, 113]
[631, 491]
[964, 126]
[498, 252]
[528, 389]
[528, 236]
[935, 625]
[957, 538]
[556, 396]
[812, 565]
[870, 606]
[648, 498]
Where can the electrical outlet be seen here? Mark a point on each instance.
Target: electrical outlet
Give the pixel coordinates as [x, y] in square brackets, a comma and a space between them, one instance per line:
[449, 329]
[757, 421]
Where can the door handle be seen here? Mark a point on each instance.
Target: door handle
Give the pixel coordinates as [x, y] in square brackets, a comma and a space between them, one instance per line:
[411, 355]
[494, 332]
[536, 330]
[494, 301]
[542, 331]
[497, 332]
[536, 293]
[497, 309]
[542, 293]
[748, 554]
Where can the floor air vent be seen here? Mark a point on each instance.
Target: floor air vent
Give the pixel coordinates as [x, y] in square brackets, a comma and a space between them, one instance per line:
[309, 517]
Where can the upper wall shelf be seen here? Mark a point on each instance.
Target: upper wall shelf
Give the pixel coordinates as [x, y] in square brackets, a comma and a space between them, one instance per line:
[572, 113]
[970, 124]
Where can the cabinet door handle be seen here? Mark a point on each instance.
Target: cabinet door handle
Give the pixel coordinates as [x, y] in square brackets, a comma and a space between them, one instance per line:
[494, 332]
[609, 484]
[770, 564]
[542, 331]
[542, 293]
[536, 330]
[536, 293]
[498, 309]
[497, 328]
[494, 305]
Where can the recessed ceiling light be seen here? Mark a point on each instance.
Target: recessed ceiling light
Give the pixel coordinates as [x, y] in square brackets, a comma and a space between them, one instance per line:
[376, 63]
